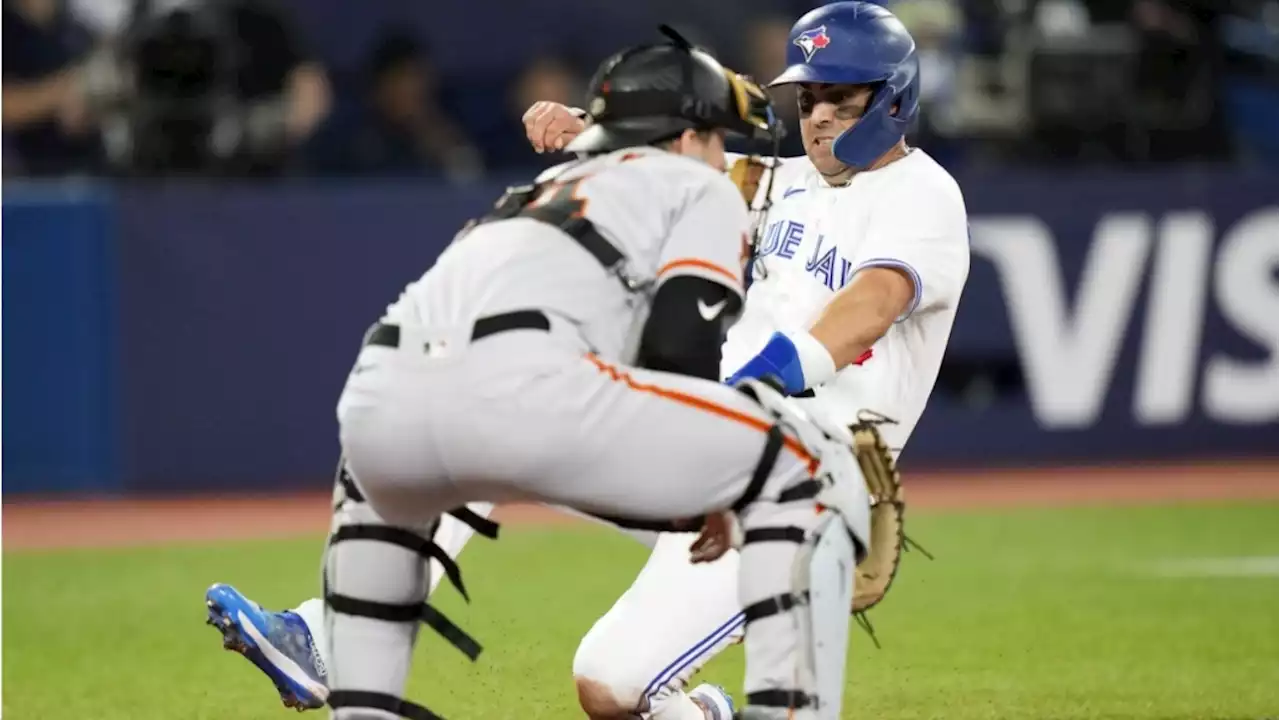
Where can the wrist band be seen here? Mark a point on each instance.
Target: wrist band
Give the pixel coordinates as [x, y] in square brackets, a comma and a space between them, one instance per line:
[815, 362]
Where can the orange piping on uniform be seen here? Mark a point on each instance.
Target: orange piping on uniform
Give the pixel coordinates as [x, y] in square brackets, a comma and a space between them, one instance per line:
[699, 263]
[706, 405]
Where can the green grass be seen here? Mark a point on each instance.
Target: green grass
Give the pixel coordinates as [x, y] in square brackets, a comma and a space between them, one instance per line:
[1044, 615]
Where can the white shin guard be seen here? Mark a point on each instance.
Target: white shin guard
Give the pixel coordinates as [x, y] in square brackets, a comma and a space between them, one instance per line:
[376, 585]
[826, 567]
[800, 552]
[796, 588]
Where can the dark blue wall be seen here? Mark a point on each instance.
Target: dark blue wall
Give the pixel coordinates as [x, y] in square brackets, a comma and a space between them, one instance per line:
[61, 396]
[187, 338]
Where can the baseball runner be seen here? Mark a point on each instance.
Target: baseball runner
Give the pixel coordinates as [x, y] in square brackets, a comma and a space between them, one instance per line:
[860, 257]
[566, 349]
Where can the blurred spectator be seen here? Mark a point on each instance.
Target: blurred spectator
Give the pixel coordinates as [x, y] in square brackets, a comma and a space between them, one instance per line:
[1179, 74]
[104, 18]
[277, 68]
[767, 43]
[936, 27]
[1249, 94]
[1003, 81]
[47, 121]
[985, 26]
[545, 77]
[402, 129]
[221, 86]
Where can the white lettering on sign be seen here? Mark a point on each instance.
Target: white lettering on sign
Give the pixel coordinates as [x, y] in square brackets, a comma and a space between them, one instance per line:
[1069, 350]
[1068, 356]
[1170, 348]
[1244, 284]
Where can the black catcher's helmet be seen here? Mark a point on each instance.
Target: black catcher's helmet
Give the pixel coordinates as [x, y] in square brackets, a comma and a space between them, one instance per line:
[651, 93]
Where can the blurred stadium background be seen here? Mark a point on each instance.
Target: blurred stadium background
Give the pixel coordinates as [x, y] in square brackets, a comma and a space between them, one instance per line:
[206, 202]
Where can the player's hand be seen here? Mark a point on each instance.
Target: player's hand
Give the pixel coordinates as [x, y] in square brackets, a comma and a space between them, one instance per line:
[720, 533]
[550, 125]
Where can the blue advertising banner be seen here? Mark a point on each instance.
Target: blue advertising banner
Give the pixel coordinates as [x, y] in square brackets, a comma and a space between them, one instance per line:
[204, 332]
[60, 394]
[242, 310]
[1141, 311]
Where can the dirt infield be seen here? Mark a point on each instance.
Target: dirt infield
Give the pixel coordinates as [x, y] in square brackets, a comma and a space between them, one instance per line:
[52, 524]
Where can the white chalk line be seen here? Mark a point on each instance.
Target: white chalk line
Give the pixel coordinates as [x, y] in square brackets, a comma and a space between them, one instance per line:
[1218, 567]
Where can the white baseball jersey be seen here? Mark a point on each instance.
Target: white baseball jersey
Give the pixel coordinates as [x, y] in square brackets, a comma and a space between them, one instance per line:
[908, 215]
[669, 215]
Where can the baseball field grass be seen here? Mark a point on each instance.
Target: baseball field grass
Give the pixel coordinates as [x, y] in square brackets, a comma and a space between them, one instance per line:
[1155, 613]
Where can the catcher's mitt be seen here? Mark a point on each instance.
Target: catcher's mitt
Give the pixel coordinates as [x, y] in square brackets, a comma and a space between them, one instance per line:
[884, 484]
[747, 172]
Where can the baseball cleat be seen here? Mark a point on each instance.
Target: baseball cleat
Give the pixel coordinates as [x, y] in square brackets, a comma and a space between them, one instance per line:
[278, 643]
[713, 700]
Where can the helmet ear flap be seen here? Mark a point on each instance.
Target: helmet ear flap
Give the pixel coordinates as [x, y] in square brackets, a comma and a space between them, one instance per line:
[889, 115]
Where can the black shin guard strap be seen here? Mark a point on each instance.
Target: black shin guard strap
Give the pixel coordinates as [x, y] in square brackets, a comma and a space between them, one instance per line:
[407, 613]
[773, 606]
[408, 540]
[805, 490]
[380, 701]
[790, 533]
[482, 526]
[791, 699]
[768, 458]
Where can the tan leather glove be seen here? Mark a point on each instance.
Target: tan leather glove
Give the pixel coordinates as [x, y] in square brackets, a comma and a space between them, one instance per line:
[884, 484]
[747, 172]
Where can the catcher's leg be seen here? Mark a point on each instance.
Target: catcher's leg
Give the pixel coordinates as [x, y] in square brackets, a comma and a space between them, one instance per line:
[800, 547]
[376, 584]
[451, 536]
[796, 587]
[387, 509]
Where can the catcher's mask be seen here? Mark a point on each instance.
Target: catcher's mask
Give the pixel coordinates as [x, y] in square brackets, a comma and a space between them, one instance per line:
[651, 93]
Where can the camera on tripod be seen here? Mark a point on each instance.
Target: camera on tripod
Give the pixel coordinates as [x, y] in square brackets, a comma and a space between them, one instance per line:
[183, 112]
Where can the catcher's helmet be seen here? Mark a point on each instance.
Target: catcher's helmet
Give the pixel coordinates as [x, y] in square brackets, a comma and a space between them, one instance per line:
[651, 93]
[858, 43]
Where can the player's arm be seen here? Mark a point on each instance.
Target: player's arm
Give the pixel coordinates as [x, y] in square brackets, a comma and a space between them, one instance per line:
[699, 291]
[858, 316]
[910, 263]
[686, 326]
[862, 312]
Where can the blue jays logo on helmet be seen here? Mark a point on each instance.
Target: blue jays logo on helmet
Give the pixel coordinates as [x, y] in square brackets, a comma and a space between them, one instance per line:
[811, 41]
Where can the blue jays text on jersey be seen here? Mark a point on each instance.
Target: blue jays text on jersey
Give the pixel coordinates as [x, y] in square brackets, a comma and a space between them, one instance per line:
[782, 238]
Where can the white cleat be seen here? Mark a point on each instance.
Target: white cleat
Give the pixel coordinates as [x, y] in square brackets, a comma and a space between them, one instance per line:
[713, 700]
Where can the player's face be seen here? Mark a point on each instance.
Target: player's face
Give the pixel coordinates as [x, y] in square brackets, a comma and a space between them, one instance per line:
[825, 112]
[707, 147]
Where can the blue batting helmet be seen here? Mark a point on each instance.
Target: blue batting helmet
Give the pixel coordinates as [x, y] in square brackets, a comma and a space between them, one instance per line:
[859, 43]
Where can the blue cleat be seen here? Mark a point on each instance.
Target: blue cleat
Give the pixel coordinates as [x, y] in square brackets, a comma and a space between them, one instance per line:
[278, 643]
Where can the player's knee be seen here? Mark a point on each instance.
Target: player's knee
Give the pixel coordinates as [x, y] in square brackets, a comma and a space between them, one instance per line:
[601, 701]
[605, 690]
